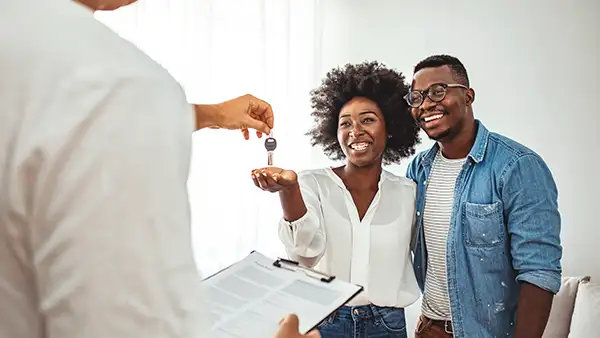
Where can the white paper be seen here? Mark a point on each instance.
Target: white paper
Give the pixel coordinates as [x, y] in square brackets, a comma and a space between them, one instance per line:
[250, 298]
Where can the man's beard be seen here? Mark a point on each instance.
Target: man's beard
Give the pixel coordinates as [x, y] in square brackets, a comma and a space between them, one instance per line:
[441, 136]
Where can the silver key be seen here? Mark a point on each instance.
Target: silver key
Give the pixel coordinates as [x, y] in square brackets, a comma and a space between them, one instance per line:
[270, 145]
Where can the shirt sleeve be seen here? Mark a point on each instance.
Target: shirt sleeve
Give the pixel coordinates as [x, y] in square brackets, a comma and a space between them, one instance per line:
[530, 200]
[411, 175]
[110, 215]
[304, 239]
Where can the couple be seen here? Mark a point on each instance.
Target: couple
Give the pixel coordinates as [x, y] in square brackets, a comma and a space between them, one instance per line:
[478, 210]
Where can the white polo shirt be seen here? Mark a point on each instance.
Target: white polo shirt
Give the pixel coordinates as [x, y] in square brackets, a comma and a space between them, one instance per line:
[95, 144]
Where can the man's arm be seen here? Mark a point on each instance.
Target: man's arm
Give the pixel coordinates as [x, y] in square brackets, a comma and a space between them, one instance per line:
[243, 112]
[530, 199]
[112, 241]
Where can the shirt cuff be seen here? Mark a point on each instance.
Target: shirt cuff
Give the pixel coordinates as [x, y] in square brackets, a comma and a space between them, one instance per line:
[294, 224]
[547, 280]
[302, 236]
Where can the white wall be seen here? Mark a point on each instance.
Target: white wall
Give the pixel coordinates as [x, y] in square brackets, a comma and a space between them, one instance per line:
[534, 67]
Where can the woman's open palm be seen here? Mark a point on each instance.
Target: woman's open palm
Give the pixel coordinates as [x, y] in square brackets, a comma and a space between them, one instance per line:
[274, 179]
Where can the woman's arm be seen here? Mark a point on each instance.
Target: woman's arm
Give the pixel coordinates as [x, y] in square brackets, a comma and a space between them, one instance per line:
[292, 203]
[301, 229]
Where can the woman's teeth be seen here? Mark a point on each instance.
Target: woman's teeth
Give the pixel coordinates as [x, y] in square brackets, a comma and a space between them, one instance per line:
[359, 146]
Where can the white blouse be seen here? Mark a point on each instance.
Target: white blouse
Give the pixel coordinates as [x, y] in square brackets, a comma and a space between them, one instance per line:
[374, 252]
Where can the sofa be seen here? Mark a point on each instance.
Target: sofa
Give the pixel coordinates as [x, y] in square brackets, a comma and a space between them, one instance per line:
[575, 310]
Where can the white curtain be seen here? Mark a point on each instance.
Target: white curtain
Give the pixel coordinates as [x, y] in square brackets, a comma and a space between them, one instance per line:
[219, 49]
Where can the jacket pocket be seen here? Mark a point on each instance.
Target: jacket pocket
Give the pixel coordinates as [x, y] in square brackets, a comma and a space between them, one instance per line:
[483, 225]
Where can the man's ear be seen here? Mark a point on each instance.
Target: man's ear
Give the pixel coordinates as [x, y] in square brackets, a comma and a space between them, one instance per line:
[470, 96]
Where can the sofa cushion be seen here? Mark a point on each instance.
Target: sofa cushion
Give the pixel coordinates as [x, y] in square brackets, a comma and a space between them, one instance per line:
[563, 303]
[586, 314]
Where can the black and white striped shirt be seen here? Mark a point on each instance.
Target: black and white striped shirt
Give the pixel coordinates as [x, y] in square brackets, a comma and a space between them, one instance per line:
[436, 222]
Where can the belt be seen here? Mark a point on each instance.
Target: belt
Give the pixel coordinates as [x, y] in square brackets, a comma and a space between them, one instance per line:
[444, 324]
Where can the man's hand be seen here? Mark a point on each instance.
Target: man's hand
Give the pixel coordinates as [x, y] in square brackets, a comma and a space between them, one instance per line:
[244, 113]
[289, 328]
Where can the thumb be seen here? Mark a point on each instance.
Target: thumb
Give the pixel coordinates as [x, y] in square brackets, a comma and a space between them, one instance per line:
[250, 122]
[290, 323]
[287, 177]
[291, 320]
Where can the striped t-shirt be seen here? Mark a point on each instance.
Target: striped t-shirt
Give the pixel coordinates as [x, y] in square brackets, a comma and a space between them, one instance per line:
[436, 222]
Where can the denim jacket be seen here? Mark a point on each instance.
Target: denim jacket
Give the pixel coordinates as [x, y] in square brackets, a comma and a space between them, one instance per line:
[505, 228]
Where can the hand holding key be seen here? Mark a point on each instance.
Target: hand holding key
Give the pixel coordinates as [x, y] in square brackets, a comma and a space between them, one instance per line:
[274, 179]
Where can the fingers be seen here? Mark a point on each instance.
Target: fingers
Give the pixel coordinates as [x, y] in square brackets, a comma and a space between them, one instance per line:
[255, 179]
[289, 327]
[261, 111]
[246, 133]
[291, 320]
[253, 122]
[274, 179]
[267, 179]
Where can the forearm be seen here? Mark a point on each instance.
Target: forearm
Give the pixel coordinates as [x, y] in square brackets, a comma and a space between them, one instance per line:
[301, 230]
[292, 203]
[533, 310]
[206, 115]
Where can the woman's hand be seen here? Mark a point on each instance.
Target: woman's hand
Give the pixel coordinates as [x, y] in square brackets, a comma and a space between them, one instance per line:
[274, 179]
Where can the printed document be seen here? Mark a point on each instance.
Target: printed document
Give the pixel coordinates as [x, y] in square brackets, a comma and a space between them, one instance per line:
[249, 298]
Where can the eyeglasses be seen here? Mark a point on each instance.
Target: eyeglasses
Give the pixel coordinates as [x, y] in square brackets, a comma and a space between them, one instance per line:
[436, 93]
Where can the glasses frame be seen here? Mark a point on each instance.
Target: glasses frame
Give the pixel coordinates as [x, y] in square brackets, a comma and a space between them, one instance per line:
[425, 93]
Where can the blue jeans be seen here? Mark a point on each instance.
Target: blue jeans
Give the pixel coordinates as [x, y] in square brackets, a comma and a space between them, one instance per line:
[366, 321]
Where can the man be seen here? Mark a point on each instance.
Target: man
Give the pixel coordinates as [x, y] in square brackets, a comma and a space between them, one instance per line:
[488, 251]
[94, 159]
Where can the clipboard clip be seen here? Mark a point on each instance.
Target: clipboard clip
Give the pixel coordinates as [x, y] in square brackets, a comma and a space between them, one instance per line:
[295, 267]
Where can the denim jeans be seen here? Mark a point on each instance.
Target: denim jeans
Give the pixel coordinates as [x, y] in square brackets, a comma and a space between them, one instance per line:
[366, 321]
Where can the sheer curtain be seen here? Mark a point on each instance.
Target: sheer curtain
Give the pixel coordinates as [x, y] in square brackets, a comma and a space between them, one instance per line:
[219, 49]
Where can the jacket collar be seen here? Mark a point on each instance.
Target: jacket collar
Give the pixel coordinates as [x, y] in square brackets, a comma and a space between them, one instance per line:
[477, 152]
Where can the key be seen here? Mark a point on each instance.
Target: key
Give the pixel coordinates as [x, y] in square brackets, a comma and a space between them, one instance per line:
[270, 145]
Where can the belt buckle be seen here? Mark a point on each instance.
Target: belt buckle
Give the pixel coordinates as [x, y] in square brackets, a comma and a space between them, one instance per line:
[446, 327]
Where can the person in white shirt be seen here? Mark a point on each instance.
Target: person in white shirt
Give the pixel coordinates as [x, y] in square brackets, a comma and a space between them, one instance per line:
[94, 158]
[355, 221]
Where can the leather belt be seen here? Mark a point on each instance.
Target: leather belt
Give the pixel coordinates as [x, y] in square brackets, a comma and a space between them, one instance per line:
[445, 324]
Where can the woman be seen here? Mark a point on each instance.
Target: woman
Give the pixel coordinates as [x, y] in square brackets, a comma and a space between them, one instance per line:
[354, 221]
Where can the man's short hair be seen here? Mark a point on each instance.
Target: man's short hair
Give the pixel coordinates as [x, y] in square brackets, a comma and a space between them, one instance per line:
[458, 69]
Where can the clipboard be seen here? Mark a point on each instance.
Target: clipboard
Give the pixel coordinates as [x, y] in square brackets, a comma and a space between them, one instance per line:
[250, 297]
[283, 263]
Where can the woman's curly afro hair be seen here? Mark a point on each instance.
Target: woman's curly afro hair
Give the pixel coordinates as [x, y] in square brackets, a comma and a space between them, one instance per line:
[372, 80]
